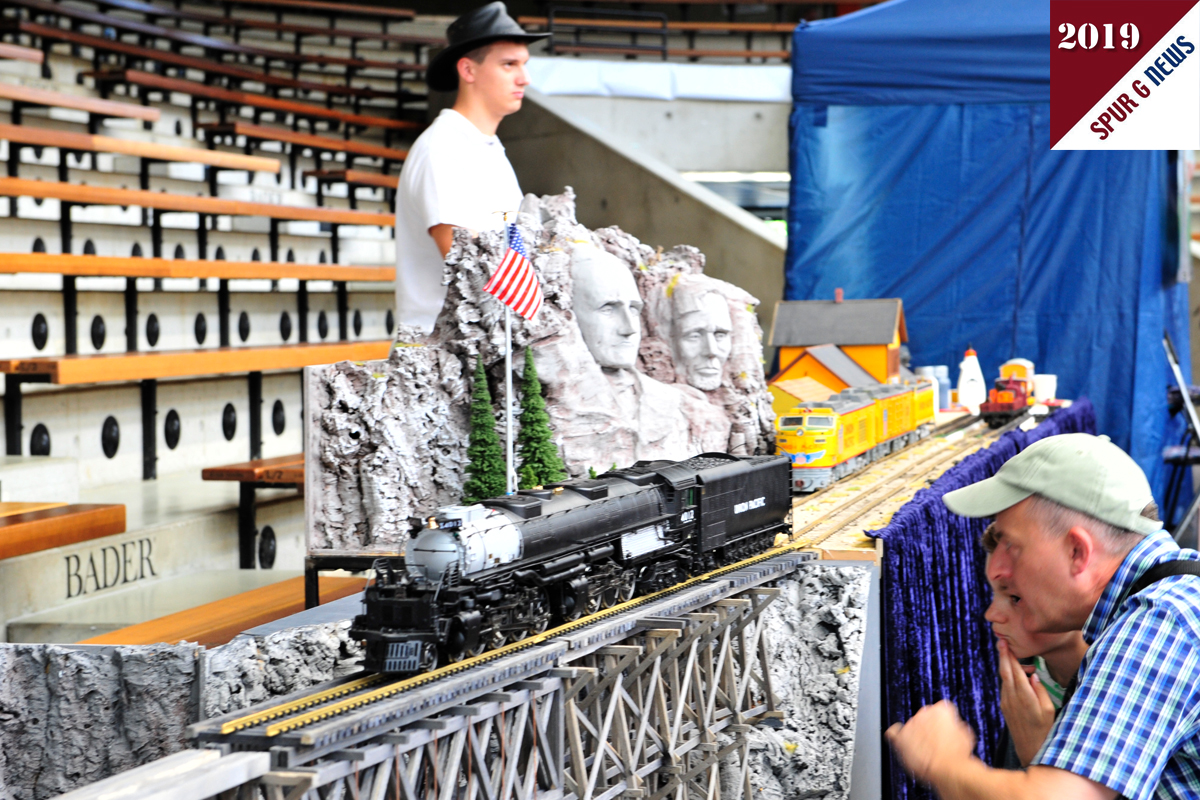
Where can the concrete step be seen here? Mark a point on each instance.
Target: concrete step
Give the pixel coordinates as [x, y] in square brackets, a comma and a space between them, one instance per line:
[180, 549]
[106, 613]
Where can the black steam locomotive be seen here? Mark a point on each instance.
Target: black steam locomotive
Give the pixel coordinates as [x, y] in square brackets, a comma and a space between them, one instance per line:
[483, 575]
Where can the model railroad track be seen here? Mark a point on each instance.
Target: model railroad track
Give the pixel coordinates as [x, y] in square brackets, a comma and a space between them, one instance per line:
[887, 478]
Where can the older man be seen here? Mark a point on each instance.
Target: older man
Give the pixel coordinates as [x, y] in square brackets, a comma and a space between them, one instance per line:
[1073, 545]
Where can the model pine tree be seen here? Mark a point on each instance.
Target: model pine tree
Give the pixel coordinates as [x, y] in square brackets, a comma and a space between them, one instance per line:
[540, 463]
[485, 456]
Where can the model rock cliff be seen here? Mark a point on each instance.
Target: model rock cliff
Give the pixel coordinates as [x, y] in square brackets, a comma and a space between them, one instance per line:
[640, 354]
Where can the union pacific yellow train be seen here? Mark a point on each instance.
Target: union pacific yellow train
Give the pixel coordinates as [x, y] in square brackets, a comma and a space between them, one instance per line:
[832, 438]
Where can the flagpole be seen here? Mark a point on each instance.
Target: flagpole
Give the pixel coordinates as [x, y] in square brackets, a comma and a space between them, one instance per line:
[508, 404]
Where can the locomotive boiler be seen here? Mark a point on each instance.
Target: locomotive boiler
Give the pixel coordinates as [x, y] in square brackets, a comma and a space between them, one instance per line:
[482, 575]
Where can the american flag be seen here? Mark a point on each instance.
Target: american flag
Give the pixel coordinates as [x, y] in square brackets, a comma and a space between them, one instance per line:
[515, 283]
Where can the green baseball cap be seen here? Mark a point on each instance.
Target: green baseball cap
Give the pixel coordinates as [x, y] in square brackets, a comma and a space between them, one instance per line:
[1086, 473]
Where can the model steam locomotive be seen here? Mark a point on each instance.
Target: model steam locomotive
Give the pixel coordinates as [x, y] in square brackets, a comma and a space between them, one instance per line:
[483, 575]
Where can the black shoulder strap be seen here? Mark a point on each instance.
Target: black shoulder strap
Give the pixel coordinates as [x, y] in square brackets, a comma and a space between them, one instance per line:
[1165, 570]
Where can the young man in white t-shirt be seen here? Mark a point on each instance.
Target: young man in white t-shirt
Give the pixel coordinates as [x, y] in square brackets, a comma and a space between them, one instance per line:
[456, 174]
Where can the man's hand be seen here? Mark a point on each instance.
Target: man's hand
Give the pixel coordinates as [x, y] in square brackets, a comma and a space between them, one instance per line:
[1027, 708]
[933, 738]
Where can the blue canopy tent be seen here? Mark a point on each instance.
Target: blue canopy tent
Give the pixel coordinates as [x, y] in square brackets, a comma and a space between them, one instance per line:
[921, 169]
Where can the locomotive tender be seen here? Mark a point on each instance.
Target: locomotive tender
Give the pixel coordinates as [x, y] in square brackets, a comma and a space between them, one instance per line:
[483, 575]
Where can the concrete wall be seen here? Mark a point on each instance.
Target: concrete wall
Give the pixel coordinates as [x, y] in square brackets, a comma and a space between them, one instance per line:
[692, 134]
[618, 183]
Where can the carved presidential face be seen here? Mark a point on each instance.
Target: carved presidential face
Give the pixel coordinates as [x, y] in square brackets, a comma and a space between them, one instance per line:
[607, 307]
[700, 339]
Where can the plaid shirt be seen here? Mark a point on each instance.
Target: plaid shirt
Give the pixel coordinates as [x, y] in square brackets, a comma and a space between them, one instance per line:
[1133, 724]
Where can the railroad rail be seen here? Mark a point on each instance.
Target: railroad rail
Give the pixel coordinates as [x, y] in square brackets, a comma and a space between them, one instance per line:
[627, 701]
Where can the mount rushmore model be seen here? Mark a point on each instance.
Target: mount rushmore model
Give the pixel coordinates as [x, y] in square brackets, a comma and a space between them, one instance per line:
[641, 355]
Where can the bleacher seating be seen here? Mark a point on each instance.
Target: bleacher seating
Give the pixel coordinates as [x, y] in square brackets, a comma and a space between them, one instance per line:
[143, 56]
[572, 28]
[237, 23]
[254, 136]
[266, 473]
[210, 45]
[227, 100]
[175, 247]
[199, 203]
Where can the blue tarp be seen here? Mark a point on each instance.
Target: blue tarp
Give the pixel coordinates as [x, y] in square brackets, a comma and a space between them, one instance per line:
[921, 169]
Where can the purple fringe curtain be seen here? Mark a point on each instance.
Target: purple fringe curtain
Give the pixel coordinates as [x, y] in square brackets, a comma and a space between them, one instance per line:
[936, 643]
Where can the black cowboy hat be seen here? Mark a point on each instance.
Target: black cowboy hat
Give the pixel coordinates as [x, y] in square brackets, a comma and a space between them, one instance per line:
[485, 25]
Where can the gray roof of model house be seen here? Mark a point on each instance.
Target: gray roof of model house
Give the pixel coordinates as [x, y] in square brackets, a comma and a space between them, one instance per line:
[801, 323]
[833, 359]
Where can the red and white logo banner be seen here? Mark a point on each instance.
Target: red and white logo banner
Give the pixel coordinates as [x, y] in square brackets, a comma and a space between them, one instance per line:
[1125, 74]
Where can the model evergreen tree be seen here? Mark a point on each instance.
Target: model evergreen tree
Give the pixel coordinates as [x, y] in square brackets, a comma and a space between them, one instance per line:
[485, 456]
[540, 463]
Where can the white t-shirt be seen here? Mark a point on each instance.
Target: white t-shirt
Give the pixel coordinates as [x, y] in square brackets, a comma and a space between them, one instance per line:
[454, 175]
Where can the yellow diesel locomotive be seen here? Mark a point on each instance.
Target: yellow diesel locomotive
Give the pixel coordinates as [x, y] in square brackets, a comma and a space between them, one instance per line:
[829, 439]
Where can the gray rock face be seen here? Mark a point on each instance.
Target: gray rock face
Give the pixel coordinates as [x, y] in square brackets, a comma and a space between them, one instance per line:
[248, 671]
[70, 716]
[815, 632]
[392, 446]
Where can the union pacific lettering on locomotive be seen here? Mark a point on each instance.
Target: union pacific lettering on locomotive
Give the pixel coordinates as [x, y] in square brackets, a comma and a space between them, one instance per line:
[480, 576]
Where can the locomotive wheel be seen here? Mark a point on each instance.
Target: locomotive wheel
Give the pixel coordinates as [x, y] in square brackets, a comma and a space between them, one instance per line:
[539, 613]
[454, 649]
[594, 601]
[627, 585]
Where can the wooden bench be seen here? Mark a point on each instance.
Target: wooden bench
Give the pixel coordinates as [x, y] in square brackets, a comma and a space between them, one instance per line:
[153, 12]
[73, 194]
[49, 34]
[219, 622]
[16, 52]
[693, 55]
[332, 9]
[687, 28]
[281, 472]
[212, 47]
[68, 142]
[25, 529]
[225, 99]
[353, 178]
[296, 141]
[22, 96]
[72, 266]
[121, 267]
[126, 367]
[149, 368]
